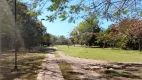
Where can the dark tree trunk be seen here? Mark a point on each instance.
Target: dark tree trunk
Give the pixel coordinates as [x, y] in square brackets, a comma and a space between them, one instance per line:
[140, 45]
[104, 45]
[112, 46]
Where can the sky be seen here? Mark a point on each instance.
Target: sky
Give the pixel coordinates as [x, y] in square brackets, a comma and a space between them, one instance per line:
[59, 27]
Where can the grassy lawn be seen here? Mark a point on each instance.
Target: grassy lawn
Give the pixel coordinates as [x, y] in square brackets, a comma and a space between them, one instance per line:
[108, 54]
[28, 63]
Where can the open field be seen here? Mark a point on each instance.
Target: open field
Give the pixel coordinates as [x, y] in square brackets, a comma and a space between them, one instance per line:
[107, 54]
[28, 64]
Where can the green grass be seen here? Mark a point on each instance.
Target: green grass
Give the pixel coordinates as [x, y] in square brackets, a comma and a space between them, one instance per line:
[28, 63]
[57, 55]
[107, 54]
[67, 71]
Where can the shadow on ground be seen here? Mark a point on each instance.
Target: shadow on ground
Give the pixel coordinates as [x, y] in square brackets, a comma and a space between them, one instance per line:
[44, 50]
[119, 71]
[28, 64]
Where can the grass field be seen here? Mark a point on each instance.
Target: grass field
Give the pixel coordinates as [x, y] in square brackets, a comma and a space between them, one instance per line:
[28, 64]
[107, 54]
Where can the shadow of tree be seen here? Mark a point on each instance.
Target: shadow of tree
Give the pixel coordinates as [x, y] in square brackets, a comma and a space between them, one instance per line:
[44, 50]
[29, 64]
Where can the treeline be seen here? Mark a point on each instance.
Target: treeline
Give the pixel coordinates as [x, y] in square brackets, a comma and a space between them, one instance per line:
[27, 34]
[126, 34]
[51, 40]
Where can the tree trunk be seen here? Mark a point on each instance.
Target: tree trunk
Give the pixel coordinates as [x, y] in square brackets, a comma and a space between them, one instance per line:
[104, 45]
[68, 45]
[112, 46]
[140, 45]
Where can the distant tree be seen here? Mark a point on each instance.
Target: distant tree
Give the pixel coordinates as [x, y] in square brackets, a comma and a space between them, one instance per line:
[53, 39]
[47, 39]
[72, 41]
[102, 37]
[132, 28]
[75, 35]
[84, 33]
[61, 40]
[116, 38]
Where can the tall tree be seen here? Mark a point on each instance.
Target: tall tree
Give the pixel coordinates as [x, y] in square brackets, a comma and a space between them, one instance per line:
[132, 28]
[29, 30]
[84, 33]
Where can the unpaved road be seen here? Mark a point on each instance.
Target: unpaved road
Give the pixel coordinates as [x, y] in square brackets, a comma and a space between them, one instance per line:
[50, 69]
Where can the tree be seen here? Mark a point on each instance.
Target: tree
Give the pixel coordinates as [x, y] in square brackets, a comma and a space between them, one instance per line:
[29, 30]
[53, 39]
[84, 33]
[61, 40]
[72, 41]
[47, 39]
[116, 38]
[88, 39]
[132, 28]
[102, 37]
[75, 35]
[6, 28]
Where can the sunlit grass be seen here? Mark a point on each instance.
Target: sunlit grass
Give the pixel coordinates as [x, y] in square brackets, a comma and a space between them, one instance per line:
[57, 55]
[107, 54]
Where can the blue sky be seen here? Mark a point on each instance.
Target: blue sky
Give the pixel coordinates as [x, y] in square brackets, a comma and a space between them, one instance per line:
[59, 27]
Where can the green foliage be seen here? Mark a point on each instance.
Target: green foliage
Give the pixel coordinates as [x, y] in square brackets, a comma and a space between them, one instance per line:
[53, 39]
[33, 13]
[125, 11]
[141, 14]
[28, 31]
[102, 37]
[57, 55]
[75, 35]
[84, 33]
[62, 40]
[116, 13]
[105, 9]
[47, 39]
[125, 35]
[31, 29]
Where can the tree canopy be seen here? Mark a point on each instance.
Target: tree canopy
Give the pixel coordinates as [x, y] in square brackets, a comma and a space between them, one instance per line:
[109, 9]
[84, 33]
[28, 32]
